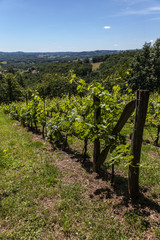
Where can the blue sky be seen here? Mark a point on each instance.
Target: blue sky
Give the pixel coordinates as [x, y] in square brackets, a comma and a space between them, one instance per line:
[83, 25]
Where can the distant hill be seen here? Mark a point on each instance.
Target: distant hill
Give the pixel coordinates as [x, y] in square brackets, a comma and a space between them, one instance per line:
[83, 54]
[29, 58]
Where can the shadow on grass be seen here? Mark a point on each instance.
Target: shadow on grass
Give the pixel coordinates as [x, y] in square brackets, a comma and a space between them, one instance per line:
[79, 157]
[119, 186]
[34, 130]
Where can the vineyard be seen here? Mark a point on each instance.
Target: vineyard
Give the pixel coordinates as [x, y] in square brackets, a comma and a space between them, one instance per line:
[96, 123]
[65, 117]
[80, 127]
[97, 117]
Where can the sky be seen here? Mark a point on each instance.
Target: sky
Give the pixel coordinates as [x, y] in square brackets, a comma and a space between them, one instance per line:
[77, 25]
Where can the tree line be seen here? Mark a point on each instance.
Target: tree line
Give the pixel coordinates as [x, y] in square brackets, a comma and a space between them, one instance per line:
[139, 68]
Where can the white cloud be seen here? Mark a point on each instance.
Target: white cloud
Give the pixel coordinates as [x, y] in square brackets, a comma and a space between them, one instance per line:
[147, 11]
[155, 8]
[116, 45]
[107, 27]
[154, 19]
[151, 41]
[132, 2]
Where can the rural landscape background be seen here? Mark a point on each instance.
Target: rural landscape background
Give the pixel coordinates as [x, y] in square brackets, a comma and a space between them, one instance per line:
[50, 188]
[79, 120]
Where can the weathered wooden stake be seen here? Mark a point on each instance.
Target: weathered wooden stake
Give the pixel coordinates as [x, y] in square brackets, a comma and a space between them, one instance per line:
[157, 137]
[96, 153]
[141, 111]
[44, 124]
[85, 149]
[129, 108]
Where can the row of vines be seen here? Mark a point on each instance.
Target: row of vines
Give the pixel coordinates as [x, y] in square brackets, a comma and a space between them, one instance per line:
[59, 118]
[73, 116]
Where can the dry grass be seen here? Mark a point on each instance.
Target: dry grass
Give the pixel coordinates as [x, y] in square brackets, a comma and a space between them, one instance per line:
[95, 66]
[4, 62]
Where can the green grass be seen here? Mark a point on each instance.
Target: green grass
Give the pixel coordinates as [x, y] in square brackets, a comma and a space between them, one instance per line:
[35, 203]
[26, 176]
[149, 162]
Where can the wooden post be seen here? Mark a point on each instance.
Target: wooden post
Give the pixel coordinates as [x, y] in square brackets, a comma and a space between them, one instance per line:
[44, 123]
[96, 153]
[157, 137]
[137, 137]
[85, 149]
[129, 108]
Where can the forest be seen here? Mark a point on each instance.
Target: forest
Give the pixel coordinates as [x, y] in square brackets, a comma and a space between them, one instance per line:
[89, 168]
[28, 59]
[55, 76]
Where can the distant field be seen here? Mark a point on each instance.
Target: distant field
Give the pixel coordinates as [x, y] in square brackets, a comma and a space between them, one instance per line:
[95, 66]
[4, 62]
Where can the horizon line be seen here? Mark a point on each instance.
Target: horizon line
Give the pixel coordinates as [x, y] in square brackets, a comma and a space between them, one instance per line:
[97, 50]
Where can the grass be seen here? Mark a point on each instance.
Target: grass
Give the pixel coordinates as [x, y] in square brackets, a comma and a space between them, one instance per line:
[149, 162]
[35, 202]
[4, 62]
[26, 176]
[95, 66]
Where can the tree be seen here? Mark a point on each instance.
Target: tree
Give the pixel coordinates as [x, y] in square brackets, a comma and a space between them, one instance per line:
[13, 89]
[3, 89]
[142, 74]
[19, 78]
[82, 70]
[53, 85]
[156, 60]
[86, 60]
[145, 68]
